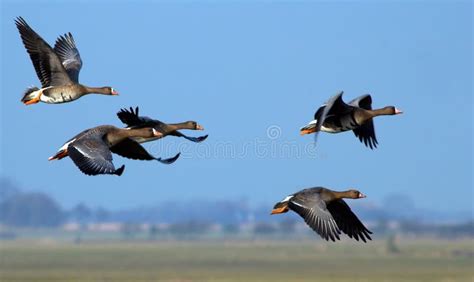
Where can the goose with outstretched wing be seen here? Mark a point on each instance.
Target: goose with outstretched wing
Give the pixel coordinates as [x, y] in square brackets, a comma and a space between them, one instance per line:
[132, 119]
[336, 116]
[326, 212]
[57, 68]
[91, 150]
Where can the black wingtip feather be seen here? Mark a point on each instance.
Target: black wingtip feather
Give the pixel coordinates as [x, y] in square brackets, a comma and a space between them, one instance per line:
[195, 139]
[129, 116]
[65, 42]
[19, 21]
[201, 138]
[120, 170]
[170, 160]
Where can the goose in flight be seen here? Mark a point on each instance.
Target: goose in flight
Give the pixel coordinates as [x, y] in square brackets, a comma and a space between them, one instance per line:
[336, 116]
[326, 212]
[57, 68]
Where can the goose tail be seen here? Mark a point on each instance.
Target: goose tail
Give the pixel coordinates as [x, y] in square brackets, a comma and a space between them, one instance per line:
[31, 95]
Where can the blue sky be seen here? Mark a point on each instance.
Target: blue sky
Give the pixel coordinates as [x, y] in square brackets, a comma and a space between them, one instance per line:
[240, 68]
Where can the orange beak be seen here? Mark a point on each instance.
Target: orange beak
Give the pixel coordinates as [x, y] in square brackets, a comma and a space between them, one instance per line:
[199, 127]
[279, 210]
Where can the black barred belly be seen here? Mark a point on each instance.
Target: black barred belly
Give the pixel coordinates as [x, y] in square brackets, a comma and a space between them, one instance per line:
[58, 95]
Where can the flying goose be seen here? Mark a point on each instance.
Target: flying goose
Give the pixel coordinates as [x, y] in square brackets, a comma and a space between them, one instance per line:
[326, 212]
[336, 116]
[57, 69]
[91, 150]
[132, 119]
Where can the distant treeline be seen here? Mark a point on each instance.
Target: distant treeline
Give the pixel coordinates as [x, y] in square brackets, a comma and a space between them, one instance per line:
[33, 209]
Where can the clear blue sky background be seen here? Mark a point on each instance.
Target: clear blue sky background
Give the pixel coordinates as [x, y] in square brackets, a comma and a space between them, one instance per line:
[238, 68]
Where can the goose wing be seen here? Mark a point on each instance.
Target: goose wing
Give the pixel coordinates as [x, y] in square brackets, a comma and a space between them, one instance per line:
[92, 156]
[192, 139]
[131, 149]
[131, 118]
[315, 213]
[347, 221]
[336, 106]
[365, 132]
[48, 67]
[333, 108]
[67, 51]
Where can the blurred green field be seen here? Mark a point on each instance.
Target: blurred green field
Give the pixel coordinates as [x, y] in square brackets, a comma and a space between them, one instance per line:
[307, 260]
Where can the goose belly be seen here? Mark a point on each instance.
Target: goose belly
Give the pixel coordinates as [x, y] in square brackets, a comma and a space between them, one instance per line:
[57, 95]
[341, 124]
